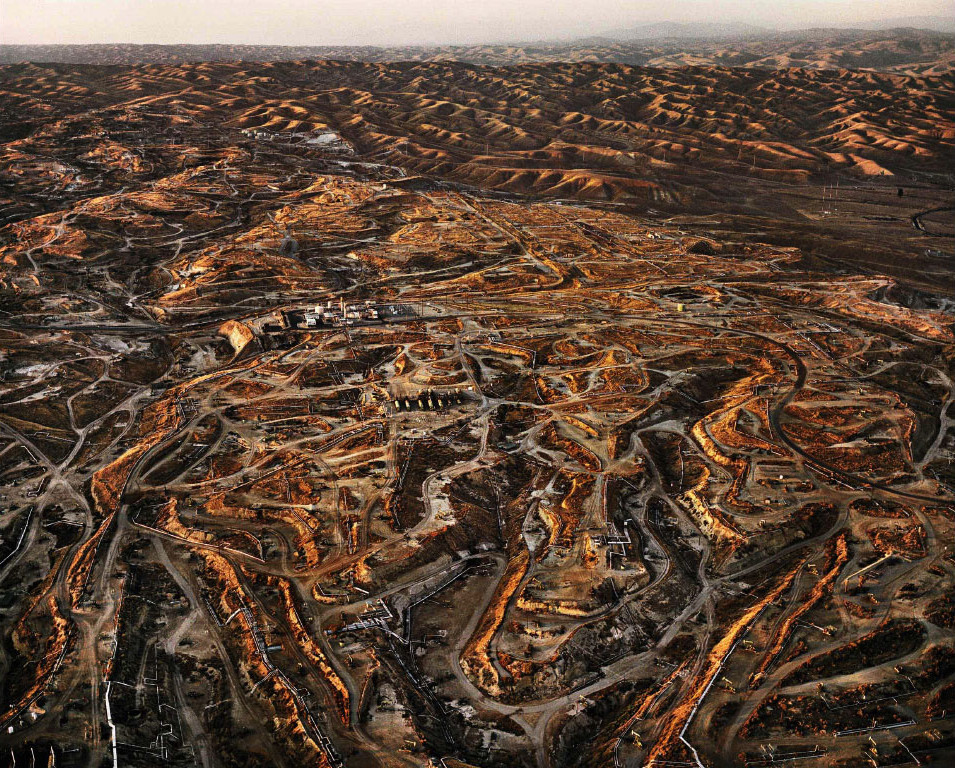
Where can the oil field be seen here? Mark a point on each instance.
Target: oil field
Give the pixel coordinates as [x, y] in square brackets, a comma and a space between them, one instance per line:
[442, 414]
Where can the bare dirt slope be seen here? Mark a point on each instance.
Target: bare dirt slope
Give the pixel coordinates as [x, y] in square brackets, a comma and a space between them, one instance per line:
[812, 158]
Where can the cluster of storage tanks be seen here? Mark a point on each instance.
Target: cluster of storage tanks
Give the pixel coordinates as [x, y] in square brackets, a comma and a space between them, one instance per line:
[429, 401]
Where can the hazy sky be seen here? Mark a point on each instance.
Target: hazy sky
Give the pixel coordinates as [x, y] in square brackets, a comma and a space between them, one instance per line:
[395, 22]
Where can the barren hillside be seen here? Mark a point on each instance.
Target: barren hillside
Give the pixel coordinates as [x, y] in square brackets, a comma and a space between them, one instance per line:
[815, 158]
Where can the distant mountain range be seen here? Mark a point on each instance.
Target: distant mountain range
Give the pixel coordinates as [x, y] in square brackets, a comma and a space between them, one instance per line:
[669, 30]
[934, 23]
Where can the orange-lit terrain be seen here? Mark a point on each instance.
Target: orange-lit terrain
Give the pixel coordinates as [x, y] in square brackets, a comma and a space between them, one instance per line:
[900, 50]
[366, 414]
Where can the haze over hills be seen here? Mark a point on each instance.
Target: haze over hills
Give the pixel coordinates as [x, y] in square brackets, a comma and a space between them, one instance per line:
[936, 23]
[908, 51]
[702, 30]
[665, 30]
